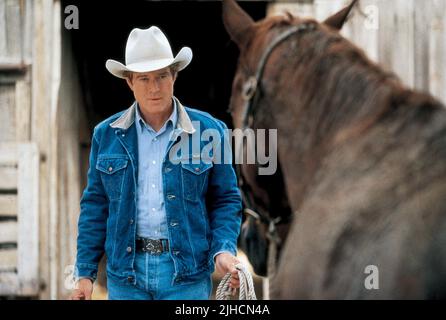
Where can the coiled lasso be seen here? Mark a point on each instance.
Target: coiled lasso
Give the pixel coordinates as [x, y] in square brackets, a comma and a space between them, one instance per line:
[224, 292]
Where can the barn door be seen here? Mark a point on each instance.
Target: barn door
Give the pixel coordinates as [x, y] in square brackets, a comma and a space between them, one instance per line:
[18, 157]
[19, 241]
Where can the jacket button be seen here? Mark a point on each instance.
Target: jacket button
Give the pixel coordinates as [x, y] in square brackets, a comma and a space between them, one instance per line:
[110, 169]
[197, 169]
[131, 221]
[129, 279]
[170, 196]
[129, 249]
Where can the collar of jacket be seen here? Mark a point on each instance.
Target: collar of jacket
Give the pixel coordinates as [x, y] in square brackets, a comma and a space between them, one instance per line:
[128, 117]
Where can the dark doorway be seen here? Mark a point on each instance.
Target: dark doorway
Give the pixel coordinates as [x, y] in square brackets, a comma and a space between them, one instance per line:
[103, 30]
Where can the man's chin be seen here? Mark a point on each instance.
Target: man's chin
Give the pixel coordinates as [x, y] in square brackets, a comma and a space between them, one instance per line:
[155, 106]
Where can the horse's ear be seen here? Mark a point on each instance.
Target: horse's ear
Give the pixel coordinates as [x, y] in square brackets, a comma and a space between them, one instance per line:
[237, 22]
[337, 20]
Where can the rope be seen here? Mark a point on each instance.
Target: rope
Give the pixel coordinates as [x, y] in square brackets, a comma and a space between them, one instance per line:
[224, 292]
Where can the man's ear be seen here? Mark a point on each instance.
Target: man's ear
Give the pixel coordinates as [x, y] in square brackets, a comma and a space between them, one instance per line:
[129, 81]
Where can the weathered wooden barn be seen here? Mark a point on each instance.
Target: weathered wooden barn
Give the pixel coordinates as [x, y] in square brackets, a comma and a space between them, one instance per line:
[54, 88]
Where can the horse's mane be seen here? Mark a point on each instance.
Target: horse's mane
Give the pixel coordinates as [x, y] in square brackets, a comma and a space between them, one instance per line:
[336, 82]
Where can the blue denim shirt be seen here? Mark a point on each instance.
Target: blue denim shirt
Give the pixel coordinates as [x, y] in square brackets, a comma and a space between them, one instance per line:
[152, 146]
[201, 198]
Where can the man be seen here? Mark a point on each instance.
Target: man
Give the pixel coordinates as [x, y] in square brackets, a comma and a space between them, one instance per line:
[163, 224]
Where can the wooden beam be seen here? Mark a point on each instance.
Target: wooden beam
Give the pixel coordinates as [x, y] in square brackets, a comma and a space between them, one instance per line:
[437, 50]
[28, 218]
[23, 110]
[8, 232]
[19, 67]
[8, 205]
[8, 179]
[8, 154]
[9, 283]
[8, 260]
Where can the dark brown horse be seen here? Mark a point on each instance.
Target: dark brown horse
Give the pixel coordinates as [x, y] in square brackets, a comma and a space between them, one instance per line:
[363, 161]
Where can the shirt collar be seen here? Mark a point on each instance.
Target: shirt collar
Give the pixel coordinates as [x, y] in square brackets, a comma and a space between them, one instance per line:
[173, 118]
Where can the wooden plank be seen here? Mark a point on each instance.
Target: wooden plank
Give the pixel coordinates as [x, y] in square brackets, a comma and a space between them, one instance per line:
[28, 217]
[14, 30]
[41, 88]
[23, 110]
[8, 232]
[9, 283]
[8, 178]
[437, 50]
[396, 47]
[8, 154]
[363, 30]
[56, 69]
[421, 44]
[12, 66]
[8, 205]
[7, 110]
[324, 9]
[27, 39]
[404, 47]
[386, 17]
[3, 45]
[8, 260]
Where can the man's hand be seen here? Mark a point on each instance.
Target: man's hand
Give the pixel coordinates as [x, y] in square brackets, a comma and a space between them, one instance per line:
[83, 291]
[224, 263]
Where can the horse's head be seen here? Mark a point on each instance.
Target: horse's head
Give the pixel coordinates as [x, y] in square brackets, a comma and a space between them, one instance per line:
[253, 39]
[256, 42]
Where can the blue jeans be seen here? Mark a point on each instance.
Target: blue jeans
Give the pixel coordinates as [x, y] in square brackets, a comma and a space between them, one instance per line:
[154, 274]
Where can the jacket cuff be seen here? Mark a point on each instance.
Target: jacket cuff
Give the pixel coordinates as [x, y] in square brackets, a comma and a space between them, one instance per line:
[85, 270]
[221, 246]
[216, 254]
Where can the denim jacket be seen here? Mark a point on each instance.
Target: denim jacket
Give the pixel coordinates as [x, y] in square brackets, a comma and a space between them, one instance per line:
[202, 200]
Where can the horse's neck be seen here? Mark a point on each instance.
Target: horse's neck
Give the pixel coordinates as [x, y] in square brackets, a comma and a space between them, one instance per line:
[301, 144]
[298, 156]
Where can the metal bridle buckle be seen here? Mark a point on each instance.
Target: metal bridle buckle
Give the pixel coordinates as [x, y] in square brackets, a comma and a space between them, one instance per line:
[249, 88]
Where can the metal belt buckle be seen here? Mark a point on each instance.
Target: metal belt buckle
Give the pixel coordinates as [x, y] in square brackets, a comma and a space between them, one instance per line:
[154, 247]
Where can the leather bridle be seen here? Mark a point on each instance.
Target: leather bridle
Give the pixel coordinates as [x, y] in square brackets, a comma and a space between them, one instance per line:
[250, 95]
[250, 92]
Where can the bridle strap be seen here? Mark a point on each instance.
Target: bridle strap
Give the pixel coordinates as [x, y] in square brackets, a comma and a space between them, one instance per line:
[251, 93]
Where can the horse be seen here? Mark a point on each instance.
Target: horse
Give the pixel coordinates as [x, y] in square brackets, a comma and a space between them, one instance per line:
[362, 160]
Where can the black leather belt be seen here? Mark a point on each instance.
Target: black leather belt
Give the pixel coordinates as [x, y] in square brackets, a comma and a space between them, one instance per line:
[152, 246]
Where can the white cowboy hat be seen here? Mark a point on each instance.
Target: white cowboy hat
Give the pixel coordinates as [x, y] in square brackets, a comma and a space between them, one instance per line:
[148, 50]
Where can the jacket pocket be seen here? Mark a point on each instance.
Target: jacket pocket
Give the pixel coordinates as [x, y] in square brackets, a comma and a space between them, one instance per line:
[195, 177]
[112, 169]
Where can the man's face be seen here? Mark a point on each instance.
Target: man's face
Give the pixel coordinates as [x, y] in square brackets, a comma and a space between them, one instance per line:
[153, 90]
